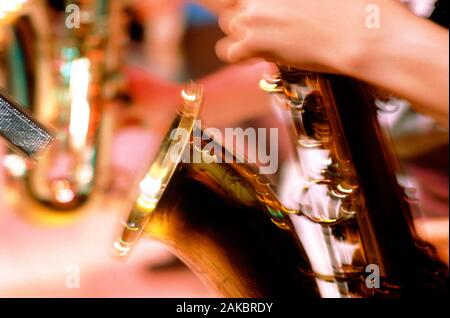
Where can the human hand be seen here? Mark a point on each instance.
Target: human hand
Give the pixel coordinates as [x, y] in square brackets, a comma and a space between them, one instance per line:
[321, 35]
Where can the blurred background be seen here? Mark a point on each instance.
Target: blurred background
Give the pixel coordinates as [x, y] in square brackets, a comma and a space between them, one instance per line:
[137, 58]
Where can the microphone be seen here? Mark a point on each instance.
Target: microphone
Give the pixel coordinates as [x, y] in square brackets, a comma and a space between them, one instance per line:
[22, 132]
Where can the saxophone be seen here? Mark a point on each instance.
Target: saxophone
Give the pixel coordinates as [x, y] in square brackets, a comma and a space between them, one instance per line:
[65, 77]
[350, 235]
[350, 192]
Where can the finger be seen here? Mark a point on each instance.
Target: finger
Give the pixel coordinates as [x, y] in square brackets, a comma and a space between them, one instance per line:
[232, 51]
[230, 22]
[224, 21]
[238, 52]
[222, 48]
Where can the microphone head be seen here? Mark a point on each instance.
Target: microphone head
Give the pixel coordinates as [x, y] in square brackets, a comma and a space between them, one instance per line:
[22, 132]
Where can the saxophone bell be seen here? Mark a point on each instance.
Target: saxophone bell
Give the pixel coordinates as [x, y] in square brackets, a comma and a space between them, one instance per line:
[222, 219]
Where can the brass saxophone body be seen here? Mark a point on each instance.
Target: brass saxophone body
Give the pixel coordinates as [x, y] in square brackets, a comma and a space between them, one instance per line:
[350, 194]
[62, 68]
[226, 224]
[350, 235]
